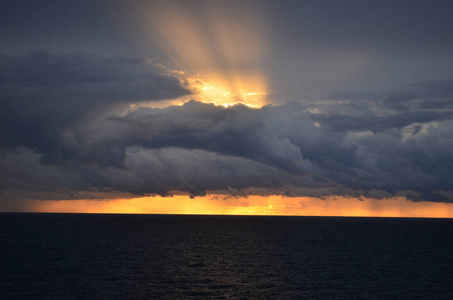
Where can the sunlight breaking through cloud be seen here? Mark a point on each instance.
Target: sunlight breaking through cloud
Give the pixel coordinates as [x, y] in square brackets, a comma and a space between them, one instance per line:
[222, 51]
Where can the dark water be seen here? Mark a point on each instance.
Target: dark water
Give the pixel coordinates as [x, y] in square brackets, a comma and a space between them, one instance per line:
[69, 256]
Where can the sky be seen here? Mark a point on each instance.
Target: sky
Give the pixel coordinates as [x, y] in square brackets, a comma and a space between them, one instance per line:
[227, 107]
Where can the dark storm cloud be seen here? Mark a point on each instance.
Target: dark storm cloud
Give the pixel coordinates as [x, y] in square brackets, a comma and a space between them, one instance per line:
[42, 92]
[238, 131]
[286, 139]
[145, 171]
[197, 148]
[64, 136]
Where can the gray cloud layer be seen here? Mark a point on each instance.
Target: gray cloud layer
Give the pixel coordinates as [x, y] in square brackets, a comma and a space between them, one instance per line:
[357, 148]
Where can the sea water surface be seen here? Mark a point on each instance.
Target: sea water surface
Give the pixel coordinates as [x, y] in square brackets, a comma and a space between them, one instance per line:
[96, 256]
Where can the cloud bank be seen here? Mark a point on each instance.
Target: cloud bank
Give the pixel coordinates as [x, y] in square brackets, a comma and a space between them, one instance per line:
[41, 92]
[70, 133]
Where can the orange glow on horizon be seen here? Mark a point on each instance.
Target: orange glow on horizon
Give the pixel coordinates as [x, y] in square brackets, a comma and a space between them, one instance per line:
[252, 205]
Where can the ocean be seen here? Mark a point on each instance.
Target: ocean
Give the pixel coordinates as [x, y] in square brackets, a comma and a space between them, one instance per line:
[102, 256]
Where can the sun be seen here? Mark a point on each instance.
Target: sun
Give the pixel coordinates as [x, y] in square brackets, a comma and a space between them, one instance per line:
[221, 94]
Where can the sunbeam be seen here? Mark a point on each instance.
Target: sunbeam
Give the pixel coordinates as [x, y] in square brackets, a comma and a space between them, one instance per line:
[221, 49]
